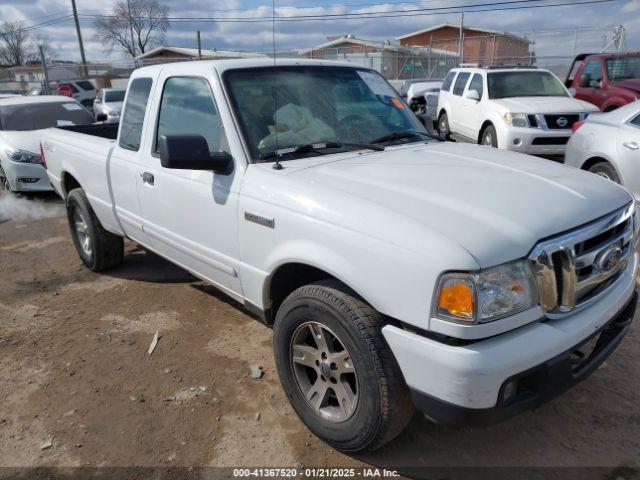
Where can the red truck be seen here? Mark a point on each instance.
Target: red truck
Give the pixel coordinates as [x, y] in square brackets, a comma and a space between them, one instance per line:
[608, 80]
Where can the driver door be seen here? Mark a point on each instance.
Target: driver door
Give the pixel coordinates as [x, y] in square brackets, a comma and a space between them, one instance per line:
[471, 108]
[589, 86]
[191, 216]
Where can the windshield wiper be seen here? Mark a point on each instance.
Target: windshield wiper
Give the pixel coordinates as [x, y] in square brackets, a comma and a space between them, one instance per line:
[399, 135]
[317, 148]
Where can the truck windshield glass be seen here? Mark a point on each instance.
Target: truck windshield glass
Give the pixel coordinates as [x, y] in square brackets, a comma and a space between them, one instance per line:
[114, 96]
[313, 105]
[42, 115]
[524, 84]
[623, 68]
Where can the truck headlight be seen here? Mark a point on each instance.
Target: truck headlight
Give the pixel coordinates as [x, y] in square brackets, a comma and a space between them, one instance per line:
[516, 119]
[486, 295]
[23, 156]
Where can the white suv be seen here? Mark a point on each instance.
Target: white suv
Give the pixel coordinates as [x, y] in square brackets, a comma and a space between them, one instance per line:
[526, 110]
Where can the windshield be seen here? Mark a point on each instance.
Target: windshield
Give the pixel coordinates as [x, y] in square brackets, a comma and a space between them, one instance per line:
[524, 84]
[114, 96]
[35, 116]
[623, 68]
[316, 104]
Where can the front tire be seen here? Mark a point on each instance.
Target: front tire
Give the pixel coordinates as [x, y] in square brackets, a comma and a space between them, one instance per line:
[4, 182]
[489, 137]
[98, 249]
[605, 170]
[337, 370]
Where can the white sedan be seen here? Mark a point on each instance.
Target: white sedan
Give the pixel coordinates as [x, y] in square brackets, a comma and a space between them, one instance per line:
[608, 144]
[21, 122]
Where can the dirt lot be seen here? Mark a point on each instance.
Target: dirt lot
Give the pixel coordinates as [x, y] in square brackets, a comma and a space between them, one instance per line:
[77, 387]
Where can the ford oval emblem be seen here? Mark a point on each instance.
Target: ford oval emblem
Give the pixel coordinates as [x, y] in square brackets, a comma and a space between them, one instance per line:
[609, 258]
[562, 122]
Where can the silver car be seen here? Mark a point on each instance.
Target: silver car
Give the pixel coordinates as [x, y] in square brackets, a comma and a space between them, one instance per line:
[608, 144]
[108, 105]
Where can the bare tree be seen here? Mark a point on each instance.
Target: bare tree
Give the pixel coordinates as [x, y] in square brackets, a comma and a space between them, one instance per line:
[14, 47]
[144, 20]
[33, 52]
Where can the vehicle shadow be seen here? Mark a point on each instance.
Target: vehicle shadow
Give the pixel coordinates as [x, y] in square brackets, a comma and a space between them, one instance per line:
[145, 266]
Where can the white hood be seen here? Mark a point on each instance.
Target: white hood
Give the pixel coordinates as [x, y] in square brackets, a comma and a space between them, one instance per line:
[497, 205]
[27, 140]
[544, 105]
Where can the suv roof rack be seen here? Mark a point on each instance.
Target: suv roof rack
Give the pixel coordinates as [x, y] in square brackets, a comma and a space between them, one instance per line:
[499, 65]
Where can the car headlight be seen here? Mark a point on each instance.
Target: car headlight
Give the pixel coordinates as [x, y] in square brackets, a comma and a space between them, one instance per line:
[114, 113]
[486, 295]
[23, 156]
[516, 119]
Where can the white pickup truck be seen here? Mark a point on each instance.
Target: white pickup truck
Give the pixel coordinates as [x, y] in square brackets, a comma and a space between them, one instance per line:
[395, 270]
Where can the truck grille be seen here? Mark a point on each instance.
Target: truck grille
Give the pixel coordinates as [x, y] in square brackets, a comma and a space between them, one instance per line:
[577, 267]
[561, 121]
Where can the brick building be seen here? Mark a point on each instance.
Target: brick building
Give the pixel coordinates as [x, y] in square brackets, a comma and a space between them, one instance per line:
[480, 45]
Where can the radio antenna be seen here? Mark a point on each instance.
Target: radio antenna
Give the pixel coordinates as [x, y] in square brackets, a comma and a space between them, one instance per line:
[277, 165]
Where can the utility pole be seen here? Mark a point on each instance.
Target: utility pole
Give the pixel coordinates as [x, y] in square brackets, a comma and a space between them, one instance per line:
[47, 90]
[75, 19]
[199, 46]
[133, 45]
[461, 40]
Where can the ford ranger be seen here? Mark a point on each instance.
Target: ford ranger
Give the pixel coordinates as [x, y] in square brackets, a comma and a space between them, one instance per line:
[397, 271]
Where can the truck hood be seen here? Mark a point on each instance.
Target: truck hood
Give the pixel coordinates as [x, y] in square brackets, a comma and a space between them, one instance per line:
[544, 105]
[27, 140]
[630, 84]
[497, 205]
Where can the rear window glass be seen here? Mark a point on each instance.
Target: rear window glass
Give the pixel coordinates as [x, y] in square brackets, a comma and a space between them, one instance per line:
[114, 96]
[461, 81]
[85, 85]
[448, 80]
[35, 116]
[134, 110]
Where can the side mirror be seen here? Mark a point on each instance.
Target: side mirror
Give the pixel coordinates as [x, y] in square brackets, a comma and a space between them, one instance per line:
[101, 117]
[191, 152]
[473, 95]
[572, 92]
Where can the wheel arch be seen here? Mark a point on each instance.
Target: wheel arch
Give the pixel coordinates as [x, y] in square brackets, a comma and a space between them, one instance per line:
[68, 182]
[483, 127]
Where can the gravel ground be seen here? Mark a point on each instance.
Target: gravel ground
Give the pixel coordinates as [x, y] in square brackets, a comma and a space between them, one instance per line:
[77, 387]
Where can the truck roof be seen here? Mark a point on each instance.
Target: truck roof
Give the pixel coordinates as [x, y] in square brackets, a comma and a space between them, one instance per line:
[230, 64]
[30, 99]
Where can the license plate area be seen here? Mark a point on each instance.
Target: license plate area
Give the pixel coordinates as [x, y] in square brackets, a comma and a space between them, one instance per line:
[583, 353]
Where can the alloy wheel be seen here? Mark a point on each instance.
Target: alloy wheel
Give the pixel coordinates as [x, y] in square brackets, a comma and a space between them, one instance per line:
[82, 231]
[324, 372]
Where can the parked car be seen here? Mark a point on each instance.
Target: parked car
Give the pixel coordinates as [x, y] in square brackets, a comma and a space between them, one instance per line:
[607, 80]
[393, 268]
[608, 145]
[108, 104]
[22, 120]
[82, 90]
[526, 110]
[422, 97]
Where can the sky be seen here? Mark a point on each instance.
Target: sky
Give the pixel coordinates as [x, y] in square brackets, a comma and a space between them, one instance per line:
[551, 28]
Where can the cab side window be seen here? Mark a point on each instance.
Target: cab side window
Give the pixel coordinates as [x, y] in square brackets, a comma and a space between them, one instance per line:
[461, 81]
[448, 80]
[134, 110]
[591, 75]
[476, 84]
[188, 107]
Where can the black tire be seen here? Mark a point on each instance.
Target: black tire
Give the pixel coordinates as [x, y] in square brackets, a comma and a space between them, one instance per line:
[4, 182]
[384, 404]
[489, 137]
[606, 170]
[106, 249]
[443, 126]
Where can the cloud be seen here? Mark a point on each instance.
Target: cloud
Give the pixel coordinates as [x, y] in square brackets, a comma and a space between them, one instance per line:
[540, 25]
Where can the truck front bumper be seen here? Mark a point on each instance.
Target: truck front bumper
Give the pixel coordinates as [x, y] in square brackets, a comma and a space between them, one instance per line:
[493, 379]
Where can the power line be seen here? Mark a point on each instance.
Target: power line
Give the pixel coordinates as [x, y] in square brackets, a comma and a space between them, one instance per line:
[389, 14]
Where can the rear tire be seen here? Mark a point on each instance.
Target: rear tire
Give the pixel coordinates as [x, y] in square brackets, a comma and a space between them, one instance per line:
[443, 126]
[489, 138]
[346, 386]
[98, 249]
[605, 170]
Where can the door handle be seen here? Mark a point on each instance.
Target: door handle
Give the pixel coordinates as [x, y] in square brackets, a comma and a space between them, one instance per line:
[631, 145]
[147, 178]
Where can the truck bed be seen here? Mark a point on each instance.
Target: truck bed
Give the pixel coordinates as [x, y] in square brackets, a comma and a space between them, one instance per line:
[102, 130]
